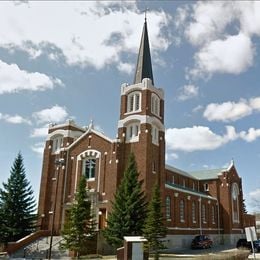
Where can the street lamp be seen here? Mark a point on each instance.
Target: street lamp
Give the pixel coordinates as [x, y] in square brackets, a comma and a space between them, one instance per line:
[58, 162]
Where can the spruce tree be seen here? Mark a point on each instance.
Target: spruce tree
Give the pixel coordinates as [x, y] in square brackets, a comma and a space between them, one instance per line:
[79, 228]
[17, 204]
[154, 227]
[244, 207]
[128, 208]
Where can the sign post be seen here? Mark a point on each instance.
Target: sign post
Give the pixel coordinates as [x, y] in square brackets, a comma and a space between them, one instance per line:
[251, 236]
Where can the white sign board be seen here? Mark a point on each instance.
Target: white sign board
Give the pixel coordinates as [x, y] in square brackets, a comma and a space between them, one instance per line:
[250, 234]
[137, 251]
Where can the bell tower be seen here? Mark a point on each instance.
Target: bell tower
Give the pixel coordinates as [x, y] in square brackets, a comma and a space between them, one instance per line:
[141, 124]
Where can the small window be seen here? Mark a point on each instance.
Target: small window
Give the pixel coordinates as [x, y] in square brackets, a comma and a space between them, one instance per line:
[89, 168]
[134, 102]
[213, 214]
[155, 134]
[182, 210]
[193, 185]
[168, 207]
[57, 143]
[184, 183]
[193, 212]
[206, 187]
[133, 132]
[155, 104]
[203, 213]
[154, 167]
[173, 179]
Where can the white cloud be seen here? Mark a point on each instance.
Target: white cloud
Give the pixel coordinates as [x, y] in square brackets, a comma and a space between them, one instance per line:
[125, 67]
[197, 138]
[251, 135]
[169, 156]
[13, 79]
[222, 32]
[255, 194]
[38, 148]
[255, 103]
[40, 132]
[188, 92]
[227, 111]
[174, 156]
[232, 55]
[209, 20]
[55, 114]
[249, 16]
[231, 111]
[255, 198]
[114, 33]
[16, 119]
[197, 108]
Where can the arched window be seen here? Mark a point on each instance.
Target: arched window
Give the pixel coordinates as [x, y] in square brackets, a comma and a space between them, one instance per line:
[235, 202]
[89, 168]
[155, 135]
[193, 212]
[134, 102]
[132, 132]
[155, 104]
[57, 143]
[182, 210]
[168, 207]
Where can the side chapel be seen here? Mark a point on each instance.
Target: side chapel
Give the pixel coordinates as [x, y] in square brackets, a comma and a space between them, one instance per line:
[208, 202]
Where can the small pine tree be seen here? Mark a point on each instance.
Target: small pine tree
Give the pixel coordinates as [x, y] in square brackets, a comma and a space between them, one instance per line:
[154, 227]
[17, 204]
[128, 209]
[244, 206]
[79, 228]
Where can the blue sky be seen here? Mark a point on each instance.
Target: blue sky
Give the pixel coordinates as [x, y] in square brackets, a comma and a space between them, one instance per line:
[67, 60]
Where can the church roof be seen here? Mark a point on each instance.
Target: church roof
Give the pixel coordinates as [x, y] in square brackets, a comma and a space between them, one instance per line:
[179, 171]
[144, 63]
[210, 173]
[207, 174]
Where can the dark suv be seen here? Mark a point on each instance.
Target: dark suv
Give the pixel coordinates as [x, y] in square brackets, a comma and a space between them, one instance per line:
[201, 241]
[242, 243]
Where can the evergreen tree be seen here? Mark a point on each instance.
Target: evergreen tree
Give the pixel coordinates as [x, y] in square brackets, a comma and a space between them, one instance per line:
[244, 206]
[79, 228]
[17, 204]
[154, 227]
[128, 208]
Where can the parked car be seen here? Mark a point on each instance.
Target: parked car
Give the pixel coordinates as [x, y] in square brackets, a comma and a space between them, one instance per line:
[243, 243]
[201, 241]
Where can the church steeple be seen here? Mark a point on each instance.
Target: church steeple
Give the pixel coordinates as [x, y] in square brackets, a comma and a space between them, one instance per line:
[144, 63]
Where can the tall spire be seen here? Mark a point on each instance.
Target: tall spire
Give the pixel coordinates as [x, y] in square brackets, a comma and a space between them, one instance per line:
[144, 63]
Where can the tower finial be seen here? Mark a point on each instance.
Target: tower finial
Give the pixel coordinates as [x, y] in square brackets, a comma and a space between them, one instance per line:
[91, 125]
[145, 12]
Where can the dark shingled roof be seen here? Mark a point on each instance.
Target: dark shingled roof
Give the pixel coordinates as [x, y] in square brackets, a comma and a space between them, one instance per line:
[144, 63]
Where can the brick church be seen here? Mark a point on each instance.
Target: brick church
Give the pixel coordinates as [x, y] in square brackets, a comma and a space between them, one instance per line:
[208, 202]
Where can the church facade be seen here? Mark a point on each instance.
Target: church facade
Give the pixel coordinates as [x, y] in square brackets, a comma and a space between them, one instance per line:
[206, 202]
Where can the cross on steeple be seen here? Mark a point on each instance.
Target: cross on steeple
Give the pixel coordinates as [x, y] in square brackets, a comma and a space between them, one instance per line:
[145, 12]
